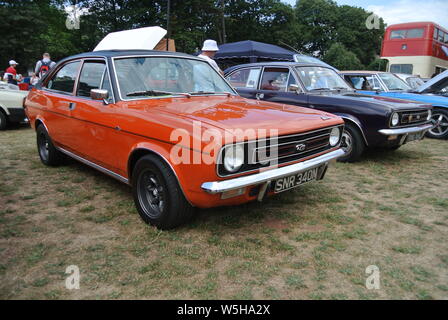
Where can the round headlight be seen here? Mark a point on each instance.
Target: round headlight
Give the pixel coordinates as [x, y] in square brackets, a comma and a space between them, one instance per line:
[233, 158]
[429, 115]
[395, 119]
[335, 135]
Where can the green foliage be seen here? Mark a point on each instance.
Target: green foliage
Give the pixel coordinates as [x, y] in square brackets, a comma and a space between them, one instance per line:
[378, 65]
[311, 26]
[339, 57]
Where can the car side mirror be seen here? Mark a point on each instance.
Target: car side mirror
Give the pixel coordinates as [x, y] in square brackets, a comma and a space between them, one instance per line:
[293, 88]
[99, 94]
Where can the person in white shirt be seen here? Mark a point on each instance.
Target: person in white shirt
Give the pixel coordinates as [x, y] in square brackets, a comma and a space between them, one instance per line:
[209, 50]
[204, 77]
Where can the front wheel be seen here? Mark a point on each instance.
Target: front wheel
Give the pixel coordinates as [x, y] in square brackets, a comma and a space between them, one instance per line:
[441, 131]
[157, 194]
[352, 144]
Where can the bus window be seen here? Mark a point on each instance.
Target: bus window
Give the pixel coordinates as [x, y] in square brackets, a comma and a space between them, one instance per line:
[446, 38]
[398, 34]
[435, 33]
[401, 68]
[440, 38]
[415, 33]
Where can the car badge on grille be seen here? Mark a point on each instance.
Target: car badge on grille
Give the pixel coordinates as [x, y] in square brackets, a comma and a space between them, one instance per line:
[410, 117]
[300, 147]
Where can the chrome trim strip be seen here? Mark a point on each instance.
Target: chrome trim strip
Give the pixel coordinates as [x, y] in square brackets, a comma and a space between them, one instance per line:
[390, 132]
[264, 176]
[94, 165]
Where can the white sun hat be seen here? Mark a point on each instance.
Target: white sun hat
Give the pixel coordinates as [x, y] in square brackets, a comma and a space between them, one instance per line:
[11, 62]
[210, 45]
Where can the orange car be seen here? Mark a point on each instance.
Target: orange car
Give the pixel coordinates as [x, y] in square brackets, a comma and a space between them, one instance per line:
[171, 126]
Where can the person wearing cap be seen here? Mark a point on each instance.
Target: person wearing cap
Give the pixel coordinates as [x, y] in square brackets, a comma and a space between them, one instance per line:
[209, 49]
[11, 73]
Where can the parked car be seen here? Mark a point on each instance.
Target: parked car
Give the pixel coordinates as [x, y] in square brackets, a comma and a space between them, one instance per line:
[128, 111]
[11, 105]
[388, 85]
[412, 81]
[370, 121]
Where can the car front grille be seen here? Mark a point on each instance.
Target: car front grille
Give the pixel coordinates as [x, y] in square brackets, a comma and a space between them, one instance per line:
[413, 117]
[283, 149]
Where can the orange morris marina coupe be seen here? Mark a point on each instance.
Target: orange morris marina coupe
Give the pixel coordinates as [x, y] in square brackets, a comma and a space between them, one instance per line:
[169, 125]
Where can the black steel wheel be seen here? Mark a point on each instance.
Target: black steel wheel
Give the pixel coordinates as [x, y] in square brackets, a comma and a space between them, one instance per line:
[157, 194]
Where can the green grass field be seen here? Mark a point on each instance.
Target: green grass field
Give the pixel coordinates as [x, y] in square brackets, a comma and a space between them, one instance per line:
[315, 242]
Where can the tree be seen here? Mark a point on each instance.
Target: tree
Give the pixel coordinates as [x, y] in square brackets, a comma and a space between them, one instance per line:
[339, 57]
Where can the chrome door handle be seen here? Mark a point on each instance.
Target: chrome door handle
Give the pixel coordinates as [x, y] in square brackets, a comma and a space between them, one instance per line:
[71, 106]
[259, 96]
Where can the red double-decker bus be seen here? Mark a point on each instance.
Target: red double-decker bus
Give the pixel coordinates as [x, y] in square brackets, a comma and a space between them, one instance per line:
[419, 48]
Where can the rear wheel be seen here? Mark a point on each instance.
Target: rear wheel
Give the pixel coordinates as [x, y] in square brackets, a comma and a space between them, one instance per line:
[48, 154]
[3, 121]
[352, 143]
[157, 194]
[441, 131]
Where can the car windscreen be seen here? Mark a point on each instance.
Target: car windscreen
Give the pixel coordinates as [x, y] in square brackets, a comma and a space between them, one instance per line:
[392, 82]
[165, 76]
[320, 78]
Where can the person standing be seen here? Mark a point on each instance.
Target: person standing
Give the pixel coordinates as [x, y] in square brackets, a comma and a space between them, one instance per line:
[11, 73]
[44, 65]
[209, 49]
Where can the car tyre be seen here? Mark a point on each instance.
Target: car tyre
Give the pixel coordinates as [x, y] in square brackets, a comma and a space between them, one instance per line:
[48, 153]
[352, 143]
[3, 121]
[441, 131]
[157, 194]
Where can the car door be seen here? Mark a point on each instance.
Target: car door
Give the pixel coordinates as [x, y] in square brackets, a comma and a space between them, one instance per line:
[245, 81]
[97, 131]
[279, 84]
[58, 96]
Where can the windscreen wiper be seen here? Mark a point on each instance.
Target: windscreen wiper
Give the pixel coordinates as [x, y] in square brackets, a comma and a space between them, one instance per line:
[208, 92]
[155, 93]
[320, 89]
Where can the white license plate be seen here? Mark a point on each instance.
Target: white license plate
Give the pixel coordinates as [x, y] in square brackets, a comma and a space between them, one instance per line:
[295, 180]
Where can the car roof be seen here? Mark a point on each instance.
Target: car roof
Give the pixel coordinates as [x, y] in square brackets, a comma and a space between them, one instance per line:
[275, 64]
[362, 71]
[124, 53]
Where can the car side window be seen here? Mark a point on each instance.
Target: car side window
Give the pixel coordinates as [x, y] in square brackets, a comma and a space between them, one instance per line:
[91, 77]
[274, 79]
[245, 78]
[64, 80]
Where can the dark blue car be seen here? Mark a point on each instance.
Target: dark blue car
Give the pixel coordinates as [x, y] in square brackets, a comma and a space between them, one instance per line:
[371, 121]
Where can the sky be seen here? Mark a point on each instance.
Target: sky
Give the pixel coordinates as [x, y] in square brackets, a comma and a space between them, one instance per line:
[399, 11]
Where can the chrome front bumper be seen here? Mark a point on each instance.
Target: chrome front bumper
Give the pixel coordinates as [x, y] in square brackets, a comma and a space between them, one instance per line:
[270, 175]
[408, 130]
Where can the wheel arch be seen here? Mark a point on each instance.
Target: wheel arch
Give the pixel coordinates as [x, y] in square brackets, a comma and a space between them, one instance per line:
[353, 120]
[141, 151]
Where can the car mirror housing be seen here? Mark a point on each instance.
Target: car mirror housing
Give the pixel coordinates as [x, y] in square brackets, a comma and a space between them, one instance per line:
[99, 94]
[293, 88]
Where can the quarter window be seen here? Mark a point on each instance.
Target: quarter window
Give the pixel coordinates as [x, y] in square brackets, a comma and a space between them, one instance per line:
[92, 74]
[64, 80]
[275, 79]
[245, 78]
